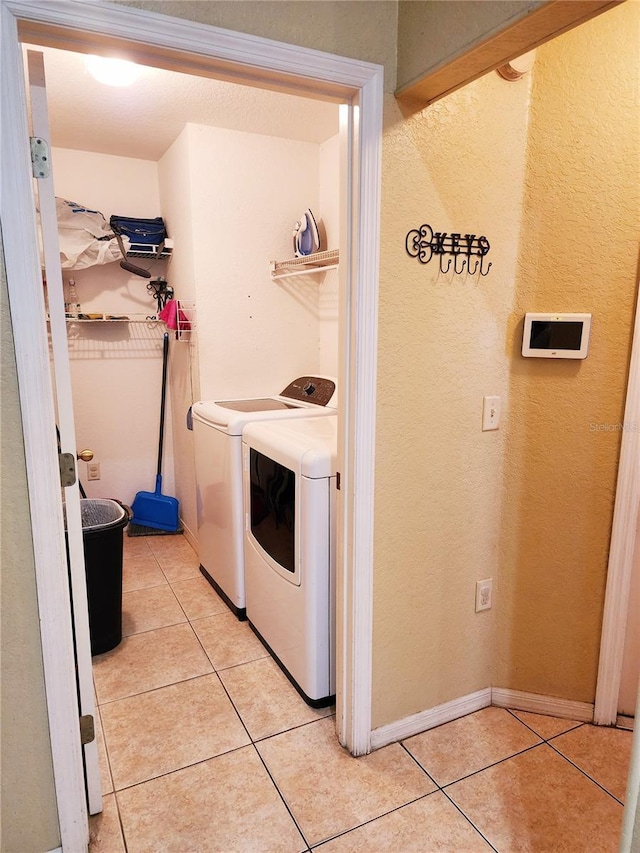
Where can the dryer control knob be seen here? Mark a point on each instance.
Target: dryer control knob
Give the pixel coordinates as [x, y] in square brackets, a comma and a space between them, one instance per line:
[309, 388]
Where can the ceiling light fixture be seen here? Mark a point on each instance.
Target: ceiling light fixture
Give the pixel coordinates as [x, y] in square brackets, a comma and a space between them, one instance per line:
[111, 71]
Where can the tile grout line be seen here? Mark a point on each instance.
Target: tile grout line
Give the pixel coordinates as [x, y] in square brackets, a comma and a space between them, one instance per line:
[253, 744]
[226, 692]
[266, 737]
[442, 791]
[122, 833]
[468, 819]
[154, 689]
[144, 588]
[495, 763]
[157, 628]
[116, 791]
[249, 735]
[281, 795]
[475, 772]
[220, 681]
[415, 760]
[578, 724]
[373, 819]
[106, 753]
[244, 663]
[292, 728]
[178, 769]
[224, 687]
[585, 774]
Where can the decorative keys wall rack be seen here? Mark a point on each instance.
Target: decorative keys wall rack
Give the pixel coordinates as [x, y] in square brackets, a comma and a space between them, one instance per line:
[423, 243]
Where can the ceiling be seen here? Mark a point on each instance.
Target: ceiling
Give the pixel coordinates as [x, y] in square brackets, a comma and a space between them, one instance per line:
[144, 119]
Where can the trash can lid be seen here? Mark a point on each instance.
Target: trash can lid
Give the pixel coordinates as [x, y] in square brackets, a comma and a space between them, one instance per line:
[99, 512]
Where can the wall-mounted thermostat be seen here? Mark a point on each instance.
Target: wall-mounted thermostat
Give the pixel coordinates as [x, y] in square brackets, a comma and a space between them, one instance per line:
[556, 335]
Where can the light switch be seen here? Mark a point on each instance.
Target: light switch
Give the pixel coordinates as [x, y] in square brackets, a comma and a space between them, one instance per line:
[490, 413]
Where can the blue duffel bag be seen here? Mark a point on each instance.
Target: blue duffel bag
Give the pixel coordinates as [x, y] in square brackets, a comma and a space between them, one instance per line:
[145, 232]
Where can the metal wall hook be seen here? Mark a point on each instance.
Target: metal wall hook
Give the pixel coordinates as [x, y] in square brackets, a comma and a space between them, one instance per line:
[162, 292]
[455, 265]
[481, 265]
[423, 243]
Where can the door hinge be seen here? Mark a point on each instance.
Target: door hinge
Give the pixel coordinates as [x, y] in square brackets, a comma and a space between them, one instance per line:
[67, 469]
[87, 729]
[338, 480]
[40, 162]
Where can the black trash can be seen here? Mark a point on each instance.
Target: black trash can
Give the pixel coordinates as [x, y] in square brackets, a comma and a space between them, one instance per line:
[102, 524]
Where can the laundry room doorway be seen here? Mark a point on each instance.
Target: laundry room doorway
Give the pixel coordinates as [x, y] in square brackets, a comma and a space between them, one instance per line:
[159, 41]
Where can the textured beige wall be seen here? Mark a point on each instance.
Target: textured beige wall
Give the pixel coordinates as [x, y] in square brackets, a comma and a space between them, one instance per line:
[579, 252]
[432, 33]
[453, 504]
[442, 342]
[365, 29]
[29, 817]
[443, 345]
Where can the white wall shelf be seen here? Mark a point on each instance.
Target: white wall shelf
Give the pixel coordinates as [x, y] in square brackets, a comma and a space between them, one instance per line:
[317, 262]
[99, 317]
[150, 253]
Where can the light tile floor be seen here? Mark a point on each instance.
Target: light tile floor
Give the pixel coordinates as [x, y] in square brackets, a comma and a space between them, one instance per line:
[205, 746]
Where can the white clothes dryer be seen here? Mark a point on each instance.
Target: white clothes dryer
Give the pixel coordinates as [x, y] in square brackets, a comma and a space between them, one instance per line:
[217, 430]
[290, 543]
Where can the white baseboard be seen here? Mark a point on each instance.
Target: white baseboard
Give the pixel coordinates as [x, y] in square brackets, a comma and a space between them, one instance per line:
[190, 536]
[498, 696]
[538, 704]
[431, 718]
[57, 850]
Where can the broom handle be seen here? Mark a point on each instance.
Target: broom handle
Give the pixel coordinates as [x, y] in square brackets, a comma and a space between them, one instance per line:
[165, 358]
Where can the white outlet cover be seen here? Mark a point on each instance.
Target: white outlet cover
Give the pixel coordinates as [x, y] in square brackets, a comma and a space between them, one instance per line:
[490, 413]
[484, 594]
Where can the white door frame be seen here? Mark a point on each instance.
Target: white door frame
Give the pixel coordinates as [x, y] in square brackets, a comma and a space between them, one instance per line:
[24, 281]
[54, 303]
[172, 41]
[621, 550]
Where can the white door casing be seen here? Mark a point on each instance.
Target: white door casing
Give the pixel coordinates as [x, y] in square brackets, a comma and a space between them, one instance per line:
[24, 279]
[629, 679]
[64, 406]
[622, 548]
[69, 24]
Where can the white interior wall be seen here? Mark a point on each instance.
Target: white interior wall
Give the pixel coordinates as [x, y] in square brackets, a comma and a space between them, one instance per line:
[230, 200]
[175, 181]
[248, 190]
[116, 368]
[329, 182]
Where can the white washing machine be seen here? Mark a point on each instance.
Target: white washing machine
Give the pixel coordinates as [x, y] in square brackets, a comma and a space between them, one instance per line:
[217, 429]
[290, 543]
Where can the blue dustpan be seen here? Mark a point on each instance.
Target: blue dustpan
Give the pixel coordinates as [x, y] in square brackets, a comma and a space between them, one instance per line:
[153, 509]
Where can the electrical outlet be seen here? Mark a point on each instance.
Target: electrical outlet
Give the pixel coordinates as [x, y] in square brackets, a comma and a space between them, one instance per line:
[490, 413]
[93, 471]
[484, 594]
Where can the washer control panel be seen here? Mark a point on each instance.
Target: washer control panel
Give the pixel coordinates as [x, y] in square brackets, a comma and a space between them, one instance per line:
[311, 389]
